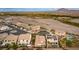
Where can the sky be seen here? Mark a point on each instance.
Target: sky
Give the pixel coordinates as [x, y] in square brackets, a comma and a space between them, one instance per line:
[30, 9]
[25, 9]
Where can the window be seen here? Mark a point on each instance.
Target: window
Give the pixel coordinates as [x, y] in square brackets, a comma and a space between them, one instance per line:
[55, 39]
[56, 43]
[5, 40]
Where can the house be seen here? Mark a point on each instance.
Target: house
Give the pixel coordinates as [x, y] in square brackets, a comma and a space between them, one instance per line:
[35, 28]
[44, 33]
[18, 23]
[23, 26]
[77, 37]
[52, 41]
[1, 20]
[24, 39]
[10, 39]
[2, 37]
[60, 33]
[40, 41]
[70, 36]
[8, 20]
[4, 28]
[51, 38]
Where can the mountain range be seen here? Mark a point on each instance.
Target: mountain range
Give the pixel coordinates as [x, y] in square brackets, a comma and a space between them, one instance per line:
[55, 11]
[63, 11]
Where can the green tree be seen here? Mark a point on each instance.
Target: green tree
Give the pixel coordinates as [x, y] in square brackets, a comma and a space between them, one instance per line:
[69, 43]
[33, 39]
[8, 46]
[63, 43]
[14, 46]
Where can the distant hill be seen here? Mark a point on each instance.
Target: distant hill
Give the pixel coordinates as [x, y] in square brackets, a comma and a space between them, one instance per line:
[60, 12]
[67, 12]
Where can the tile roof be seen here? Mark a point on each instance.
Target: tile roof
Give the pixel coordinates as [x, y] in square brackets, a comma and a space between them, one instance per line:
[26, 36]
[40, 40]
[12, 37]
[3, 35]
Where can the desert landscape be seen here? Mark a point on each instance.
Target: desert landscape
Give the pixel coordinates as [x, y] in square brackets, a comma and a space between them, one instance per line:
[49, 30]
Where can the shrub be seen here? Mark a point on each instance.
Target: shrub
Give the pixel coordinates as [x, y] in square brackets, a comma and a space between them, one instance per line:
[69, 43]
[14, 46]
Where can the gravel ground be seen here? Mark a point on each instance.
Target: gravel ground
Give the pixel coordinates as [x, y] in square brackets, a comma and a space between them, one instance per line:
[48, 23]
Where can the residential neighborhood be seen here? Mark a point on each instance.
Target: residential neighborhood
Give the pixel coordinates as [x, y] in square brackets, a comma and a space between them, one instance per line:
[39, 30]
[30, 36]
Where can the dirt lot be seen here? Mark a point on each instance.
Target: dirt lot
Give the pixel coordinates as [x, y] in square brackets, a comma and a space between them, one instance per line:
[48, 23]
